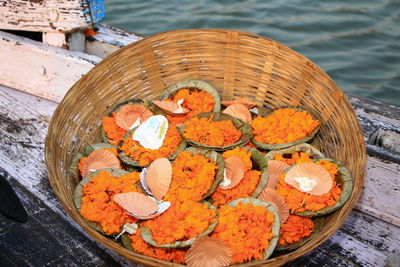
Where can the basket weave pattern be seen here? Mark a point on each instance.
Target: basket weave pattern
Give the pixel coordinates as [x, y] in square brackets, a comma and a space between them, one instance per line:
[236, 64]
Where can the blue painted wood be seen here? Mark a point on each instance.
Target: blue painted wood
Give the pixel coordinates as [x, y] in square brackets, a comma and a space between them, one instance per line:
[94, 10]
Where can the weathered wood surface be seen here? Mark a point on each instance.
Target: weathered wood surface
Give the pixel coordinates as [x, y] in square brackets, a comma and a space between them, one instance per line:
[381, 193]
[49, 71]
[363, 240]
[40, 69]
[108, 40]
[373, 116]
[43, 15]
[57, 39]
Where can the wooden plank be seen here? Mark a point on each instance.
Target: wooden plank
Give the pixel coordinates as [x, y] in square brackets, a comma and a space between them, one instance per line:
[49, 72]
[382, 184]
[380, 197]
[40, 69]
[57, 39]
[374, 115]
[76, 41]
[109, 39]
[363, 240]
[43, 15]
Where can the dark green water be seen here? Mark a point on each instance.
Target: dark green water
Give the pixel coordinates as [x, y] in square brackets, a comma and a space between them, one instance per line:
[356, 42]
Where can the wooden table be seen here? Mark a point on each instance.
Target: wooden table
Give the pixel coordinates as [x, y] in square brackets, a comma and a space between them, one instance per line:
[52, 238]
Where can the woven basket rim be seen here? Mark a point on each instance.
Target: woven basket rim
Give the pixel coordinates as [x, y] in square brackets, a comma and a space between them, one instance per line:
[55, 176]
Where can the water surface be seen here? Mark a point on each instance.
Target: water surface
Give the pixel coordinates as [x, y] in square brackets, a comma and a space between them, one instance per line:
[356, 42]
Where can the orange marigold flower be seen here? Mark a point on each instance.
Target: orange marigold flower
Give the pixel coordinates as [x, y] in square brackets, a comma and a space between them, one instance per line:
[81, 163]
[181, 221]
[196, 101]
[284, 125]
[145, 156]
[332, 168]
[97, 201]
[244, 189]
[245, 229]
[298, 201]
[192, 177]
[112, 130]
[167, 254]
[294, 229]
[293, 158]
[212, 133]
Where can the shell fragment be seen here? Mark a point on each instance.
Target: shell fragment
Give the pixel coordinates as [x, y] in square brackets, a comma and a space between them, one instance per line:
[135, 124]
[143, 182]
[180, 108]
[129, 228]
[225, 182]
[306, 184]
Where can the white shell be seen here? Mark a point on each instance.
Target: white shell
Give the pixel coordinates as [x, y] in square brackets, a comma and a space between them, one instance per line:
[143, 182]
[225, 182]
[151, 133]
[180, 108]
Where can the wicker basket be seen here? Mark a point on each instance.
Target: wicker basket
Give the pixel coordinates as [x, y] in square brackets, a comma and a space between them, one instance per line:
[237, 64]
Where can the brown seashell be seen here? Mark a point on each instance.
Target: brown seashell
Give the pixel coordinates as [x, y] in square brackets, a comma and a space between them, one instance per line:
[208, 252]
[314, 172]
[158, 177]
[242, 100]
[275, 168]
[234, 171]
[100, 159]
[128, 115]
[272, 196]
[170, 107]
[162, 207]
[239, 111]
[136, 203]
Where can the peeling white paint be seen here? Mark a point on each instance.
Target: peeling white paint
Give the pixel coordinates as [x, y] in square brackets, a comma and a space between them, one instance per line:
[42, 16]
